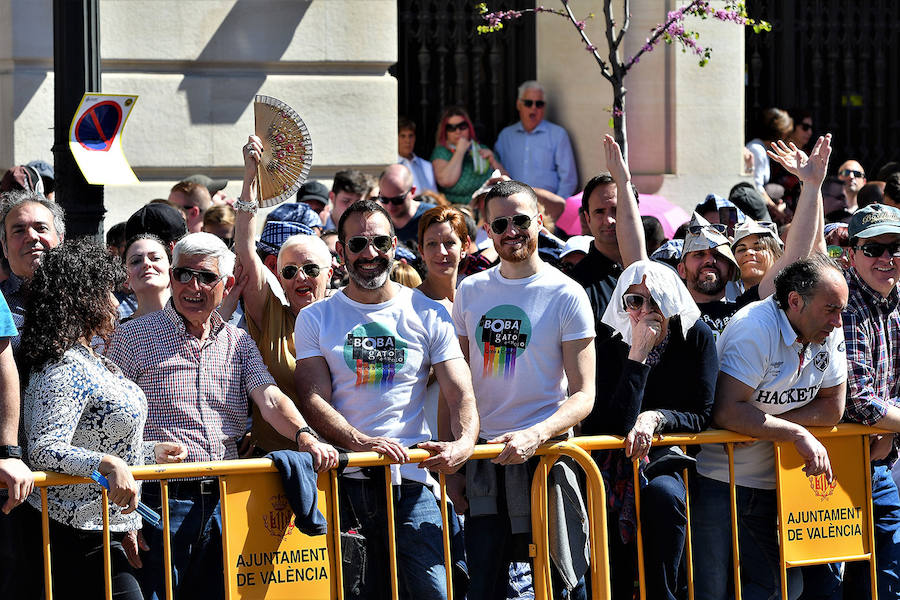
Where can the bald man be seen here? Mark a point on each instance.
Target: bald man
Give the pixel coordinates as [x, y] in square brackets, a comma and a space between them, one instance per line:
[397, 197]
[853, 176]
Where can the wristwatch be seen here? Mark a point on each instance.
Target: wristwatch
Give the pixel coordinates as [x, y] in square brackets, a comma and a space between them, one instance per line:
[11, 452]
[304, 430]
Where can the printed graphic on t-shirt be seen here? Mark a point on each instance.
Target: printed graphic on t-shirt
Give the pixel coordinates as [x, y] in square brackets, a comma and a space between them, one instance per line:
[503, 334]
[375, 353]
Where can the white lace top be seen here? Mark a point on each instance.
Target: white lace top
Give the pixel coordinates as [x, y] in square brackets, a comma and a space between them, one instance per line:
[76, 410]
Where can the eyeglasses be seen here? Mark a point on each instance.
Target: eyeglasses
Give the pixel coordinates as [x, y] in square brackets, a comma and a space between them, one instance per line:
[290, 271]
[853, 172]
[395, 200]
[538, 103]
[805, 126]
[500, 224]
[205, 278]
[635, 302]
[876, 250]
[358, 243]
[697, 229]
[461, 126]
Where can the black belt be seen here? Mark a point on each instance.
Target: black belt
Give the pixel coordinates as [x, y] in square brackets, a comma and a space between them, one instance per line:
[193, 488]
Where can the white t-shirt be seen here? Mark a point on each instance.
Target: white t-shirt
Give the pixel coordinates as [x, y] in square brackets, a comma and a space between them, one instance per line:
[760, 349]
[379, 356]
[515, 329]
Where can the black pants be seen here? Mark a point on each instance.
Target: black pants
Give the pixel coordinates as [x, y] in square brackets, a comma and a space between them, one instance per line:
[21, 565]
[76, 561]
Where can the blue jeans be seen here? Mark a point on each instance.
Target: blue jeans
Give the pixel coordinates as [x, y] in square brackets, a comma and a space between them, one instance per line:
[417, 522]
[196, 528]
[826, 581]
[757, 537]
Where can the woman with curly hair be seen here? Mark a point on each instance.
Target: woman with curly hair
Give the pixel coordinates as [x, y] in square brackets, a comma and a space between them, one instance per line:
[461, 164]
[81, 414]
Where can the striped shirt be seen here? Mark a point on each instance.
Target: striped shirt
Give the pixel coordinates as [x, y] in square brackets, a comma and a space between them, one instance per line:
[872, 336]
[196, 390]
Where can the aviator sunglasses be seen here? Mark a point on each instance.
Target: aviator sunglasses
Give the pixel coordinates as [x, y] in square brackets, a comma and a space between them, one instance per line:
[876, 250]
[461, 126]
[635, 302]
[538, 103]
[358, 243]
[184, 275]
[311, 270]
[849, 172]
[500, 224]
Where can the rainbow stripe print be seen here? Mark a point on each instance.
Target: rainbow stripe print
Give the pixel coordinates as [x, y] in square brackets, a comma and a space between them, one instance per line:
[499, 360]
[374, 373]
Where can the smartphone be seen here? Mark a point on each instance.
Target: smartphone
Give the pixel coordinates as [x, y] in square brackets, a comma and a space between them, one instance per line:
[728, 218]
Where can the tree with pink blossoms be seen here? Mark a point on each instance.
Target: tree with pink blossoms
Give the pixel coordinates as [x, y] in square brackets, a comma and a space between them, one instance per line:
[613, 67]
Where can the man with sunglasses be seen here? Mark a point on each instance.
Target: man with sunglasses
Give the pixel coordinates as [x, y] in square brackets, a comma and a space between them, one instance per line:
[197, 373]
[872, 336]
[853, 176]
[527, 331]
[397, 197]
[536, 151]
[363, 361]
[301, 262]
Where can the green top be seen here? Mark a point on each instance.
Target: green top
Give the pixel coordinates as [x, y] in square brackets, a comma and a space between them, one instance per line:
[468, 182]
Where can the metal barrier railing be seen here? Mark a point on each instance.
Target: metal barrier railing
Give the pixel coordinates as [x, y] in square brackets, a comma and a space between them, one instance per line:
[576, 448]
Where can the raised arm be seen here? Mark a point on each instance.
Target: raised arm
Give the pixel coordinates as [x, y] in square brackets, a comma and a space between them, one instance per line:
[244, 229]
[447, 172]
[808, 224]
[13, 472]
[629, 229]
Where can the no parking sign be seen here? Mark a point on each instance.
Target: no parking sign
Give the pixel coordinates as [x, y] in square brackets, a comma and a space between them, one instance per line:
[95, 138]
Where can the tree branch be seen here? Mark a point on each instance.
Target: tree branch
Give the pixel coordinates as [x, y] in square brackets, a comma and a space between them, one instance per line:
[604, 68]
[661, 30]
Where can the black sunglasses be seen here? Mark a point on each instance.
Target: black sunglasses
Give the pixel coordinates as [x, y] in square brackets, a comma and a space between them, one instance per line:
[538, 103]
[696, 229]
[636, 302]
[876, 250]
[805, 126]
[450, 127]
[395, 200]
[500, 224]
[358, 243]
[849, 172]
[290, 271]
[184, 275]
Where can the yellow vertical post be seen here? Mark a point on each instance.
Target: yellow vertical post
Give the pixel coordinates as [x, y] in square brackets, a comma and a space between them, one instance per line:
[107, 562]
[873, 567]
[338, 563]
[45, 532]
[782, 528]
[392, 540]
[642, 587]
[445, 535]
[167, 541]
[732, 491]
[540, 575]
[226, 539]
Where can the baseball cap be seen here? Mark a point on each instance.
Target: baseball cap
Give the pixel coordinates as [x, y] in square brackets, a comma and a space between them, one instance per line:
[873, 220]
[577, 243]
[313, 191]
[158, 218]
[22, 177]
[274, 234]
[213, 185]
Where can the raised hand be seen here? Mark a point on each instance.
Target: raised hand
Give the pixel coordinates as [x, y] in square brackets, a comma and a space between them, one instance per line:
[810, 169]
[615, 162]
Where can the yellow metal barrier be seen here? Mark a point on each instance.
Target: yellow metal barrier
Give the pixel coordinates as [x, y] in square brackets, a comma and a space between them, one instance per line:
[576, 448]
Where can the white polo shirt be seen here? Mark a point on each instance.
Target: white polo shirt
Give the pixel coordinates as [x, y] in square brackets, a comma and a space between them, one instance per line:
[760, 349]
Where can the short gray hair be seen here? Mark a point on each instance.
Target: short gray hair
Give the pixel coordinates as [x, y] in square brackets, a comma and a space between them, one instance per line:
[312, 243]
[12, 200]
[531, 84]
[205, 244]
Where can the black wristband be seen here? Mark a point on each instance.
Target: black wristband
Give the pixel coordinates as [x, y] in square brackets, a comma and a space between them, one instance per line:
[11, 452]
[304, 430]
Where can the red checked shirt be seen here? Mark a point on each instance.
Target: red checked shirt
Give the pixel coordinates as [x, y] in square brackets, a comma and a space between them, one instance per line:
[196, 390]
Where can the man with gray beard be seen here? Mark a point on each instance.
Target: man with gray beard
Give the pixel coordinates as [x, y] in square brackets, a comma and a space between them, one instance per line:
[363, 360]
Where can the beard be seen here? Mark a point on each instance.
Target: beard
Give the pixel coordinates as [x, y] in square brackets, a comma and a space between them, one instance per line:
[710, 286]
[374, 279]
[521, 253]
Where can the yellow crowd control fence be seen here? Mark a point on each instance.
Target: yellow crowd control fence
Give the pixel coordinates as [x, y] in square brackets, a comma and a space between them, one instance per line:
[265, 556]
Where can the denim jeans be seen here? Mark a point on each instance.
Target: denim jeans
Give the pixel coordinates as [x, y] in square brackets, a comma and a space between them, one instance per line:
[417, 522]
[825, 581]
[757, 538]
[196, 528]
[21, 564]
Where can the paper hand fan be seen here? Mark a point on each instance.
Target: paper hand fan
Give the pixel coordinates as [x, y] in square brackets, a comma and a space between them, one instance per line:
[287, 150]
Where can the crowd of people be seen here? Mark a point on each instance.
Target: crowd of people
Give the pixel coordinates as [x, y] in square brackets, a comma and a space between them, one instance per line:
[439, 307]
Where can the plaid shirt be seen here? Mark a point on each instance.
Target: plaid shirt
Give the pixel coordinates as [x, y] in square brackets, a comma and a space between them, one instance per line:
[872, 336]
[196, 390]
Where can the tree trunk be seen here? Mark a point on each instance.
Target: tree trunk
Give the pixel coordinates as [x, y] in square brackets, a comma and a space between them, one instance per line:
[618, 112]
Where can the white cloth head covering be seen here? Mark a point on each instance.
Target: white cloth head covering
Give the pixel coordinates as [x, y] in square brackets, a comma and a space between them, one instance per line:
[666, 289]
